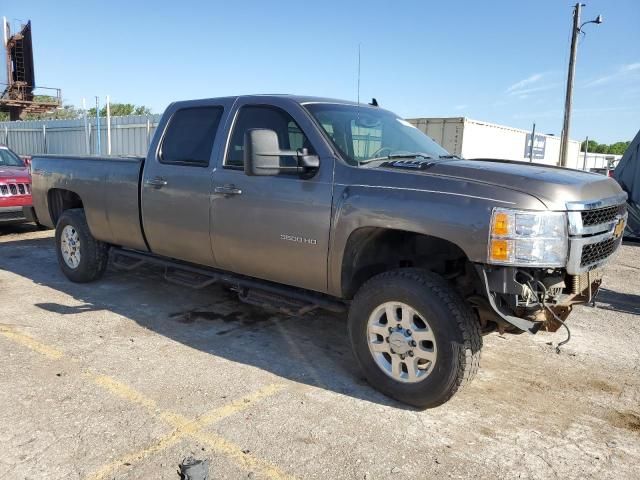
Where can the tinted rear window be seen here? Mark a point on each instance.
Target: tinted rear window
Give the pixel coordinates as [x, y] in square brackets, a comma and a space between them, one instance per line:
[190, 135]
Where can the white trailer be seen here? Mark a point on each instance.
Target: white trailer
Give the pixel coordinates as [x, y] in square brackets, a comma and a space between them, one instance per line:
[476, 139]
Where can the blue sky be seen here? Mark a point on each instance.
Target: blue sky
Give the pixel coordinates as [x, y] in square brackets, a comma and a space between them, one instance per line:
[498, 61]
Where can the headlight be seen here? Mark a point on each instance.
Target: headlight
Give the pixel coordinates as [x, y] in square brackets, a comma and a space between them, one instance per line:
[536, 239]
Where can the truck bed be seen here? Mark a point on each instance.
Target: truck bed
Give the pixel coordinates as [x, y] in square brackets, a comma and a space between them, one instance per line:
[108, 187]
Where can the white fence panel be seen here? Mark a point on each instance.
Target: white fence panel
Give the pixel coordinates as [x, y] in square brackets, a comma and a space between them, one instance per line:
[130, 135]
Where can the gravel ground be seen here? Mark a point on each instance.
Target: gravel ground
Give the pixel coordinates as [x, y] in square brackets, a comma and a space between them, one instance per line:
[125, 377]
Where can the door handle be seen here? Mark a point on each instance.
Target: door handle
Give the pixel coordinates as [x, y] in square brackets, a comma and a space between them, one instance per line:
[157, 182]
[227, 190]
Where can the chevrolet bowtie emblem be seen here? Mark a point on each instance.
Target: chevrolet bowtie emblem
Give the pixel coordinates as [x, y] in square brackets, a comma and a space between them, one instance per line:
[619, 229]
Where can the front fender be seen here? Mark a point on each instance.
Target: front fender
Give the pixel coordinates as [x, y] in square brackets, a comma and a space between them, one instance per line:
[460, 218]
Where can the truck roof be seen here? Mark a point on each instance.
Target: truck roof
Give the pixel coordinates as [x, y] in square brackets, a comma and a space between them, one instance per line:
[295, 98]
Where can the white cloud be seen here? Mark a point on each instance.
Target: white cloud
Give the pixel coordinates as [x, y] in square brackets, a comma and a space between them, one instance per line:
[623, 72]
[536, 77]
[525, 92]
[530, 86]
[600, 81]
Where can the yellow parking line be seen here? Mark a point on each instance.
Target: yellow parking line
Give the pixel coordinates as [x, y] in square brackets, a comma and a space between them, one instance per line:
[31, 343]
[185, 427]
[123, 391]
[182, 426]
[237, 405]
[243, 458]
[132, 457]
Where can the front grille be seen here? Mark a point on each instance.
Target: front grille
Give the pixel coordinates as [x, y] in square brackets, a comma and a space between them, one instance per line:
[601, 215]
[15, 189]
[598, 251]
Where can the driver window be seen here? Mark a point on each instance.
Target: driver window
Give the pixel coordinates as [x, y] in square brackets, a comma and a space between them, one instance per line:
[290, 136]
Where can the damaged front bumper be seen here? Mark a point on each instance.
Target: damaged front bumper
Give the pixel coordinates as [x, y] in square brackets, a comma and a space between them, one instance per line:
[531, 299]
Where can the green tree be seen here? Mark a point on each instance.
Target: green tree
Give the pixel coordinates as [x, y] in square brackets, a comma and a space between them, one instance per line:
[68, 111]
[121, 110]
[618, 148]
[592, 146]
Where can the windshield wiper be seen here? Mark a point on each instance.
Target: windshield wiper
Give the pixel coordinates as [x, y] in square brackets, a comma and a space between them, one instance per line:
[450, 156]
[394, 156]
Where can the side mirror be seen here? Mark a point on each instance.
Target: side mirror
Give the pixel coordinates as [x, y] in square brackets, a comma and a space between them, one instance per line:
[262, 154]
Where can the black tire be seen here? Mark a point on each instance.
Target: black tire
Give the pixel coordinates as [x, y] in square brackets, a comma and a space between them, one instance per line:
[93, 253]
[454, 325]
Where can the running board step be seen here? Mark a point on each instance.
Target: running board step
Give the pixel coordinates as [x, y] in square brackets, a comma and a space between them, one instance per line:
[122, 262]
[251, 290]
[187, 279]
[272, 301]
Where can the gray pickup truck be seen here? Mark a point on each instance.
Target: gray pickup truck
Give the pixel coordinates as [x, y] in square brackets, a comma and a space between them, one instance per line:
[300, 203]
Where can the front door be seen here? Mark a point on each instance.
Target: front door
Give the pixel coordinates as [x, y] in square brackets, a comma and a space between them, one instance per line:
[273, 227]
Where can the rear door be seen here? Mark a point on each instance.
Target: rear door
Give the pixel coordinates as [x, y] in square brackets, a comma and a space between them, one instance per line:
[274, 227]
[176, 183]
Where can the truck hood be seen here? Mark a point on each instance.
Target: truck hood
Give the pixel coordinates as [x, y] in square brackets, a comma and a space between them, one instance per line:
[20, 174]
[553, 186]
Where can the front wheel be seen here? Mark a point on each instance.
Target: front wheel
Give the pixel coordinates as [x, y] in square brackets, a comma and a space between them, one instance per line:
[414, 337]
[81, 257]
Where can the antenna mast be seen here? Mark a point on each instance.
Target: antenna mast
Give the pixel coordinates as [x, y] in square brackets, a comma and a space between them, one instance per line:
[358, 73]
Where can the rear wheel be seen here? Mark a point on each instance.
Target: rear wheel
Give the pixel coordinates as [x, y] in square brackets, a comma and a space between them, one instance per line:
[414, 337]
[81, 257]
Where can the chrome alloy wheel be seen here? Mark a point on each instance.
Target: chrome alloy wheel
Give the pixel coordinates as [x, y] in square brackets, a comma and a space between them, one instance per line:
[70, 246]
[401, 342]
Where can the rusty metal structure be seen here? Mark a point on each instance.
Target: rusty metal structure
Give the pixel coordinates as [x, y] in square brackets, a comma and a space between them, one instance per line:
[18, 94]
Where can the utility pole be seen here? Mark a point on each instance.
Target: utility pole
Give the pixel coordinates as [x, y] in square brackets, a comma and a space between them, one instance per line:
[566, 126]
[358, 74]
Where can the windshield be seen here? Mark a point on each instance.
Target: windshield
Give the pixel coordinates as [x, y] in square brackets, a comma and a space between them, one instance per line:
[9, 159]
[363, 134]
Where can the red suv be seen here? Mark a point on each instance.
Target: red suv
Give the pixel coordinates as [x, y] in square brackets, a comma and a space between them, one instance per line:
[15, 186]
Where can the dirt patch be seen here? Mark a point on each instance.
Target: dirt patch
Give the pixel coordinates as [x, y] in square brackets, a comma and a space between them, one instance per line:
[237, 318]
[625, 419]
[603, 386]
